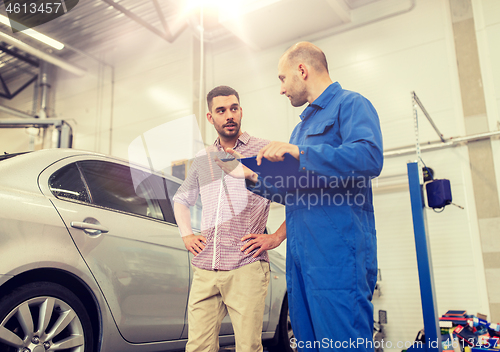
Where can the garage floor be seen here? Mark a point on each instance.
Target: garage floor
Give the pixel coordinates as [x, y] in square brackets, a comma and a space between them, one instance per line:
[233, 349]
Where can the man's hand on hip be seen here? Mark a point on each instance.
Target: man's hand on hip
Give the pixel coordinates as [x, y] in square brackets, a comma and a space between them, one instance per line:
[263, 242]
[194, 243]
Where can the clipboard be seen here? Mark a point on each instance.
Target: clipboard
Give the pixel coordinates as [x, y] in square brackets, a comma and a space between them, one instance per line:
[286, 174]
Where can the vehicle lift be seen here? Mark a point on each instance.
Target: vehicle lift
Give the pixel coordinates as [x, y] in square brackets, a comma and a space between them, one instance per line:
[424, 262]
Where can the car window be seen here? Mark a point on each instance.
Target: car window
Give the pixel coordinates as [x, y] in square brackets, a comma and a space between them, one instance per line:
[163, 194]
[112, 186]
[67, 183]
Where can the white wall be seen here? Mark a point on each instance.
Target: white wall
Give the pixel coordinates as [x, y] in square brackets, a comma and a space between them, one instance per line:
[487, 21]
[152, 85]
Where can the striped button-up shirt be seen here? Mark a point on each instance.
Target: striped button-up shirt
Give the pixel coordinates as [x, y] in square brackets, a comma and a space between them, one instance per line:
[229, 210]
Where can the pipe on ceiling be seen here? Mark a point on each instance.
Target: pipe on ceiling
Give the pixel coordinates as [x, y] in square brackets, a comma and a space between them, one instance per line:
[45, 87]
[452, 142]
[15, 112]
[42, 55]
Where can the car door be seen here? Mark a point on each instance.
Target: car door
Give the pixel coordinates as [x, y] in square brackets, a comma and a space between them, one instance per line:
[131, 246]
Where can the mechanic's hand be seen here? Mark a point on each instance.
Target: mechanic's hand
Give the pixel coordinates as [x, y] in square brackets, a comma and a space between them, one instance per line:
[275, 151]
[234, 168]
[194, 243]
[263, 242]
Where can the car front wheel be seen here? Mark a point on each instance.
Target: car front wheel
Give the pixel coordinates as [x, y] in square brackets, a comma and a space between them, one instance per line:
[43, 315]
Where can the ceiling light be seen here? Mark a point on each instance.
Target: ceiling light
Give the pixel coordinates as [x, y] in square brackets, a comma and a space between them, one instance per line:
[32, 33]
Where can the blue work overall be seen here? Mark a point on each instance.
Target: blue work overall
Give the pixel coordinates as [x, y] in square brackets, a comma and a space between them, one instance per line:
[331, 264]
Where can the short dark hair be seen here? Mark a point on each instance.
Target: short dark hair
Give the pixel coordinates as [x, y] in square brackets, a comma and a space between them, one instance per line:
[224, 91]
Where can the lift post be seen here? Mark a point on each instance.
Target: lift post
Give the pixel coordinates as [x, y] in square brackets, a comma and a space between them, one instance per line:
[424, 264]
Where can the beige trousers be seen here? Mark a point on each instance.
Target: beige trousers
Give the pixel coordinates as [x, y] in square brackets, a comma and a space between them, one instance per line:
[241, 293]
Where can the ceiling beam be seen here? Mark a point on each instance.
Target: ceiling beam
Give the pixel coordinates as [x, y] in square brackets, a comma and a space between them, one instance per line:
[15, 112]
[341, 9]
[162, 18]
[165, 35]
[42, 55]
[19, 56]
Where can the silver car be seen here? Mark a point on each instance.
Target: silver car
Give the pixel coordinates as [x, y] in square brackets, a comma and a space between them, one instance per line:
[91, 259]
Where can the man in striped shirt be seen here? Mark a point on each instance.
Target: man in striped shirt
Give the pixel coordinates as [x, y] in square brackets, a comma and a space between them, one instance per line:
[225, 280]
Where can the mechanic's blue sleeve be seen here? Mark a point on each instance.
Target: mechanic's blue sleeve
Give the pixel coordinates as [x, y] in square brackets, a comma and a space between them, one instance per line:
[360, 153]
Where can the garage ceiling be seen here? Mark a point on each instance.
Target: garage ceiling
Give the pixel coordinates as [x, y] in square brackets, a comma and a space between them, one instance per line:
[94, 25]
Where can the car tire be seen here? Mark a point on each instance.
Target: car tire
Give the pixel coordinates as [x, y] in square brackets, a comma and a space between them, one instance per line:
[43, 315]
[285, 332]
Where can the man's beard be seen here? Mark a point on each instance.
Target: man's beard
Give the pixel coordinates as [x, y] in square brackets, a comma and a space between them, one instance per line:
[297, 103]
[222, 132]
[299, 94]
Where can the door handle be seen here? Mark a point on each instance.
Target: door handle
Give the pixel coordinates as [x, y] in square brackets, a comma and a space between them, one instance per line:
[87, 226]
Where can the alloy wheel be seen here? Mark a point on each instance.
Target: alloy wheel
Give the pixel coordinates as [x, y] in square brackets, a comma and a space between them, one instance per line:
[42, 324]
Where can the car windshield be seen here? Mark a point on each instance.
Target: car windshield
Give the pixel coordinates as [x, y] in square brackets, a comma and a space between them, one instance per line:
[8, 156]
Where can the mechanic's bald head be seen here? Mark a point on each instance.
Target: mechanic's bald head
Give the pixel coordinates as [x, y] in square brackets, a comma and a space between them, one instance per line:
[303, 72]
[306, 53]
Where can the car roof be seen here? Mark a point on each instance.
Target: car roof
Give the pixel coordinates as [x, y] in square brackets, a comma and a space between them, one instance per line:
[21, 171]
[11, 155]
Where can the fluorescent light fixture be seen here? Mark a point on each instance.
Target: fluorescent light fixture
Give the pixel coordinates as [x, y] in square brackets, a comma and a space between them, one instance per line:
[32, 33]
[42, 55]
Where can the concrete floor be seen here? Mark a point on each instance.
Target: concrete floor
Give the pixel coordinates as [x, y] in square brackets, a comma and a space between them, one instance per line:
[233, 349]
